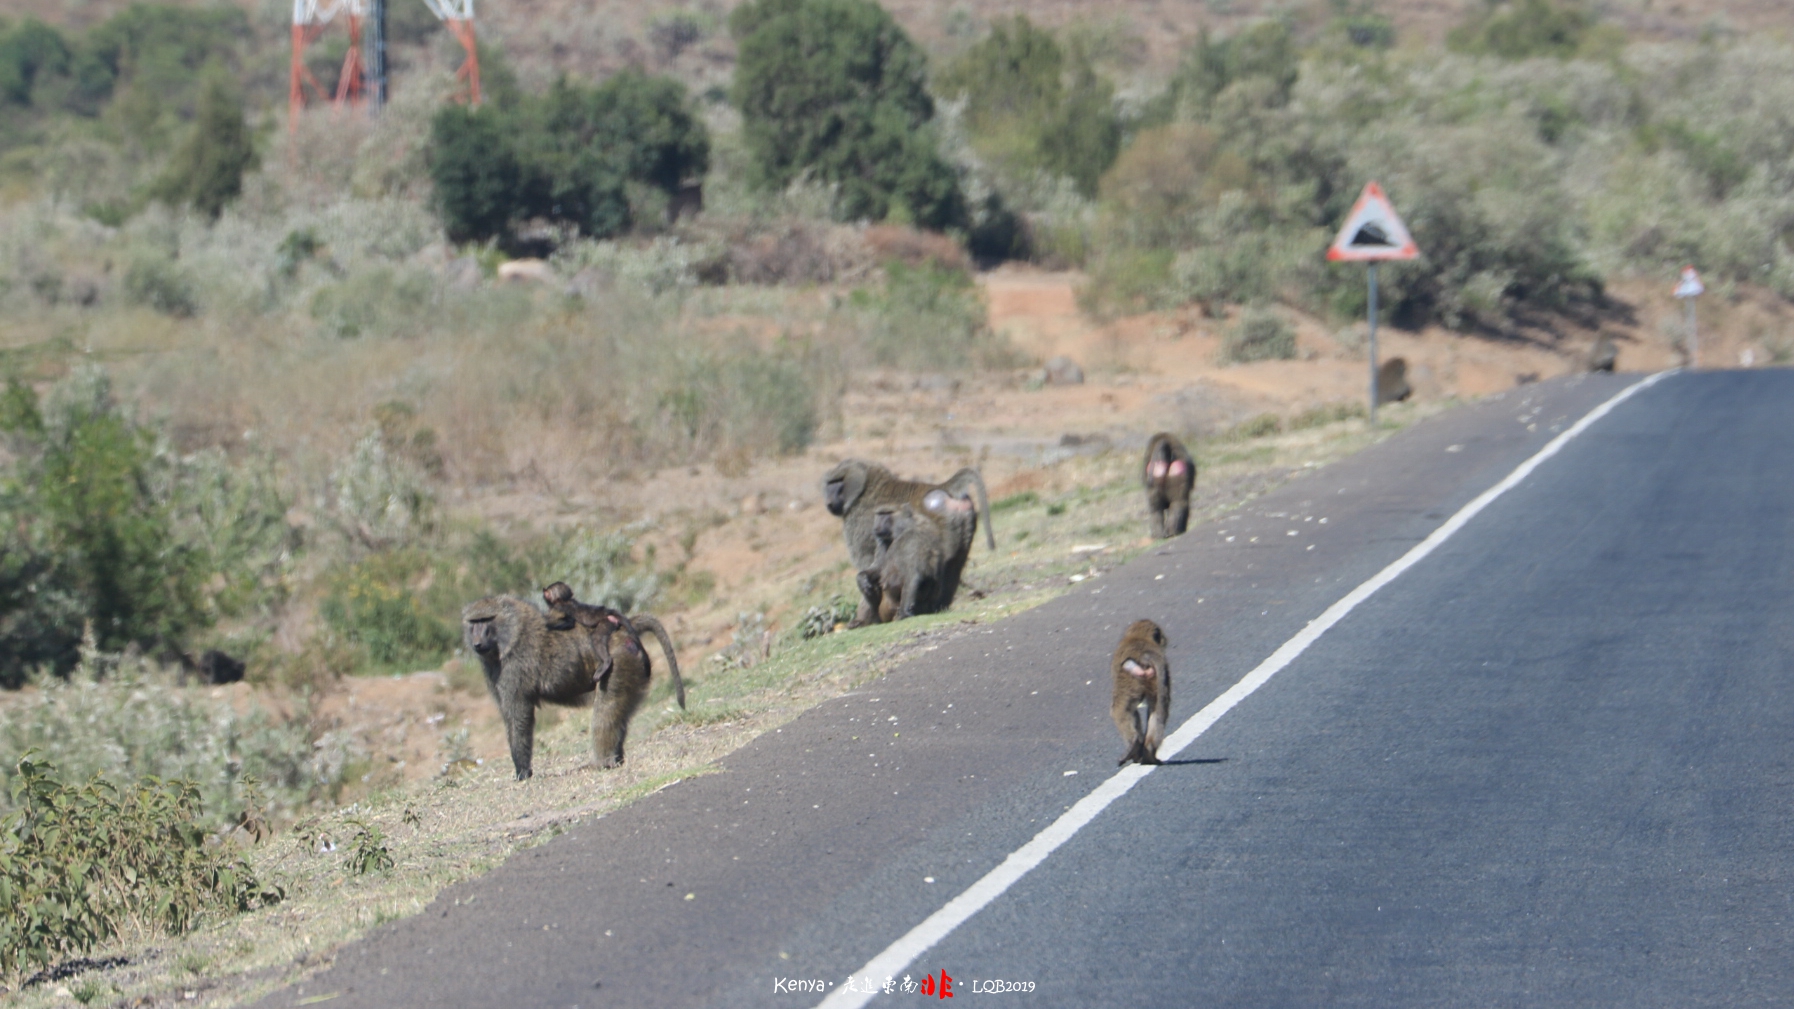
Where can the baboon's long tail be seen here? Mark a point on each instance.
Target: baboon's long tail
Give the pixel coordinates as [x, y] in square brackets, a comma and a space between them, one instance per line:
[971, 476]
[666, 647]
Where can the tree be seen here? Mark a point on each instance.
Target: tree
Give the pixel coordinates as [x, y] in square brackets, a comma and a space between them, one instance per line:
[835, 89]
[29, 52]
[207, 170]
[1522, 29]
[564, 156]
[1021, 108]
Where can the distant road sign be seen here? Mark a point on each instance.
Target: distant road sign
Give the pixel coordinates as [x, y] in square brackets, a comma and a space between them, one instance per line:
[1691, 286]
[1373, 231]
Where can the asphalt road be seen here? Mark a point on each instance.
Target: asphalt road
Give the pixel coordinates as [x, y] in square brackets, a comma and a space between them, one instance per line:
[1550, 764]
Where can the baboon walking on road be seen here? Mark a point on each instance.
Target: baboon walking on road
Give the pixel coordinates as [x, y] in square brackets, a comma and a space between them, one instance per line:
[529, 663]
[1169, 475]
[1141, 704]
[855, 490]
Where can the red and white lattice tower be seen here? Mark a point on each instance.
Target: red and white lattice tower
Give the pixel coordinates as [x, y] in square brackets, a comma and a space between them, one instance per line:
[309, 19]
[458, 16]
[311, 16]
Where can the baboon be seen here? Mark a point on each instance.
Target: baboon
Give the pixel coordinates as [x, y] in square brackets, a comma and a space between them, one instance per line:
[212, 666]
[854, 490]
[911, 569]
[1392, 381]
[1169, 474]
[528, 663]
[1603, 355]
[1142, 701]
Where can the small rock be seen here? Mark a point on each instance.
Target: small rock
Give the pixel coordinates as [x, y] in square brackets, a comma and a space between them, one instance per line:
[532, 270]
[1063, 370]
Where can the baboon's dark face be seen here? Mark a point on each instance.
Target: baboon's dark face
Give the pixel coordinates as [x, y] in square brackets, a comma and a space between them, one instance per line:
[884, 525]
[834, 494]
[482, 636]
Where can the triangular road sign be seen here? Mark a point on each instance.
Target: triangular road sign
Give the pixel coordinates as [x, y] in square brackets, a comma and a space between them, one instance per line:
[1690, 286]
[1373, 231]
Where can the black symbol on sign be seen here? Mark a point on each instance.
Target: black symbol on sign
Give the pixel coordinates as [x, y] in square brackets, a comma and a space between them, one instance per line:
[1371, 234]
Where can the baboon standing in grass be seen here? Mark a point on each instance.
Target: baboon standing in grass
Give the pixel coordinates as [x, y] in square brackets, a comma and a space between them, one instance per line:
[855, 490]
[1141, 704]
[1169, 475]
[529, 663]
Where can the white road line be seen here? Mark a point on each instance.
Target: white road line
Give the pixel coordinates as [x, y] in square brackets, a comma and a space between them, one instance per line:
[940, 924]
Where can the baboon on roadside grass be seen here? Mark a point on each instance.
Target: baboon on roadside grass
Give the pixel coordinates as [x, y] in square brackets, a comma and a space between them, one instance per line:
[910, 570]
[527, 663]
[1169, 475]
[855, 490]
[1141, 704]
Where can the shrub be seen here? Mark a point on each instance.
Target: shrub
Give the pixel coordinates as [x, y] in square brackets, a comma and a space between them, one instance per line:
[835, 90]
[1021, 111]
[927, 318]
[206, 172]
[374, 606]
[94, 539]
[161, 284]
[601, 568]
[1260, 335]
[123, 719]
[82, 864]
[382, 499]
[567, 156]
[1522, 29]
[1264, 52]
[31, 51]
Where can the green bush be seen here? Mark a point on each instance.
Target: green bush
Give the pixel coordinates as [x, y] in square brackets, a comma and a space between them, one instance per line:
[1260, 335]
[602, 569]
[835, 91]
[161, 284]
[1522, 29]
[92, 536]
[31, 51]
[567, 156]
[1028, 107]
[206, 172]
[82, 864]
[374, 606]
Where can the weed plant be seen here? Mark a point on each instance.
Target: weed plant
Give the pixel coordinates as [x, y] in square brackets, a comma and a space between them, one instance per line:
[84, 864]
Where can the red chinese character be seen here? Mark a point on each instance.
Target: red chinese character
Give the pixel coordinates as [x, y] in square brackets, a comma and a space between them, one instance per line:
[927, 985]
[946, 985]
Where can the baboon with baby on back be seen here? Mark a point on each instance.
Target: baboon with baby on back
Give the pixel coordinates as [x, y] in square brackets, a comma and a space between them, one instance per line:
[570, 657]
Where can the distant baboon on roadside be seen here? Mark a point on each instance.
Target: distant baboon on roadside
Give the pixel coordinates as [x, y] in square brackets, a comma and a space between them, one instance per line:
[1169, 475]
[1603, 355]
[1392, 381]
[527, 663]
[854, 490]
[1141, 704]
[910, 571]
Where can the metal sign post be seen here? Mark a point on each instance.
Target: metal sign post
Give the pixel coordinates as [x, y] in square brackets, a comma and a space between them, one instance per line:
[1372, 343]
[1688, 289]
[1372, 232]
